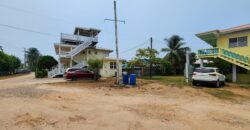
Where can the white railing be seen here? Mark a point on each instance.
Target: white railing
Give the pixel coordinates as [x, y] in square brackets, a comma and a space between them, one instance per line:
[56, 71]
[77, 37]
[80, 47]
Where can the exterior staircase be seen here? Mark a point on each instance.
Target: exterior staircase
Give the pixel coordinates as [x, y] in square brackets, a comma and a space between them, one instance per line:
[227, 55]
[56, 71]
[84, 43]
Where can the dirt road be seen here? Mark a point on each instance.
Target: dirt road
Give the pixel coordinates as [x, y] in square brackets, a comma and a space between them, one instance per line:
[54, 104]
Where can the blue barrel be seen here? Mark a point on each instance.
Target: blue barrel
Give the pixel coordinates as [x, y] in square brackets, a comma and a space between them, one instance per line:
[133, 79]
[125, 78]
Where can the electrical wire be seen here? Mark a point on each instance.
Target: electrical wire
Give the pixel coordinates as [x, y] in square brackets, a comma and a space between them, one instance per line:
[27, 30]
[135, 47]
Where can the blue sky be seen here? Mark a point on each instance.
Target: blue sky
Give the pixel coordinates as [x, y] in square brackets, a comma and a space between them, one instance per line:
[144, 18]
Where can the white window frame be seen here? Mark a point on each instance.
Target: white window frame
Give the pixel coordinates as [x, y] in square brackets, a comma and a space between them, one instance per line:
[112, 65]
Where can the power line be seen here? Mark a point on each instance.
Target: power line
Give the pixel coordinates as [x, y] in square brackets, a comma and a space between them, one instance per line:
[135, 47]
[27, 30]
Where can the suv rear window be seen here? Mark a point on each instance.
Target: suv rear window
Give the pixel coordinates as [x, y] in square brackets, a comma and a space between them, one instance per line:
[203, 70]
[70, 70]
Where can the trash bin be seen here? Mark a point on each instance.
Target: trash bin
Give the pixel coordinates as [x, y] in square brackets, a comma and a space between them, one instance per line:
[125, 78]
[133, 79]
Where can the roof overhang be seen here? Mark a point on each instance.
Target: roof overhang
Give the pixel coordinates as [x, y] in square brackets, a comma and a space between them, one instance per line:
[209, 37]
[91, 32]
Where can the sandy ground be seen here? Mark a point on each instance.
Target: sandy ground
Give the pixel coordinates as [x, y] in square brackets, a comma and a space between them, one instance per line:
[54, 104]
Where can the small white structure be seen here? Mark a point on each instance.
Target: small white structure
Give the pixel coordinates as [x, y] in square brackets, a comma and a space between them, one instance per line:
[75, 51]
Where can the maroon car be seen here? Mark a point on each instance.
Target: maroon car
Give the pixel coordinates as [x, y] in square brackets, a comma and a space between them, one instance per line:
[76, 73]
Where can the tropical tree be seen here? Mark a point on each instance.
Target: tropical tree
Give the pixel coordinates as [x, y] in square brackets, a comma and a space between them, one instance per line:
[8, 63]
[14, 63]
[95, 65]
[32, 58]
[175, 52]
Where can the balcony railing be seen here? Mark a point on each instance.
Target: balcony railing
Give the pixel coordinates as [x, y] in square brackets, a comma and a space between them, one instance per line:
[77, 38]
[224, 53]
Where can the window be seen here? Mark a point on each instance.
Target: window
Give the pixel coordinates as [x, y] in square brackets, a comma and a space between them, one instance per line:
[89, 52]
[242, 41]
[204, 70]
[112, 65]
[96, 52]
[238, 42]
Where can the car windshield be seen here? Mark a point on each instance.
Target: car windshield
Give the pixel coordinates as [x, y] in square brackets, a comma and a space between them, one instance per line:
[204, 70]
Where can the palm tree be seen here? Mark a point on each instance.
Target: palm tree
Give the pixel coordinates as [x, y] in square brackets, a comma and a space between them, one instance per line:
[32, 58]
[175, 51]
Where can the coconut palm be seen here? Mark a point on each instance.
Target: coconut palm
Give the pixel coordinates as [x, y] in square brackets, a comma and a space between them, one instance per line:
[32, 58]
[175, 51]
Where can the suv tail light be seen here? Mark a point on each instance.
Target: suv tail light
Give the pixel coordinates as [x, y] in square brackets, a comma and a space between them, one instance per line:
[212, 75]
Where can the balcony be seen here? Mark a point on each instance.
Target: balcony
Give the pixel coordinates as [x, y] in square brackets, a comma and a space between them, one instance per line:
[77, 38]
[225, 54]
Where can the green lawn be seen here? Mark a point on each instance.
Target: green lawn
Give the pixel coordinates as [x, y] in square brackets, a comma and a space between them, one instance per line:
[176, 80]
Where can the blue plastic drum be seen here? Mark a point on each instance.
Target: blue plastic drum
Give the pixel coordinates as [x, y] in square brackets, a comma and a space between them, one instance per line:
[133, 79]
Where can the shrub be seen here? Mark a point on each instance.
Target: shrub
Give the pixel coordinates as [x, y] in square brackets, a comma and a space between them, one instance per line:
[46, 62]
[41, 73]
[95, 65]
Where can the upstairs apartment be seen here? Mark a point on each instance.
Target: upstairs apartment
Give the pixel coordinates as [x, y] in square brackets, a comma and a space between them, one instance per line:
[231, 45]
[74, 51]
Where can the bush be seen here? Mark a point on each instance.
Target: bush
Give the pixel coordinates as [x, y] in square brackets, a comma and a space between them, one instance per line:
[95, 65]
[46, 62]
[40, 73]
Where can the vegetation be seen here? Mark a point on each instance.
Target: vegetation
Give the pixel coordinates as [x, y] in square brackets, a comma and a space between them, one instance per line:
[222, 94]
[95, 65]
[174, 80]
[8, 63]
[46, 62]
[32, 58]
[175, 52]
[41, 73]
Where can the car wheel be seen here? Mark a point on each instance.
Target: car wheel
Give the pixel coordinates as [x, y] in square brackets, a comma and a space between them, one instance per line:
[218, 84]
[74, 78]
[194, 83]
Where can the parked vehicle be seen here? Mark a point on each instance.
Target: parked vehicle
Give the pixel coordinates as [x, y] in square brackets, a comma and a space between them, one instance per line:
[23, 71]
[78, 73]
[208, 75]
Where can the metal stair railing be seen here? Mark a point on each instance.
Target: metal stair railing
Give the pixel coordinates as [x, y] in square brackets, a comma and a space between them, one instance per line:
[226, 54]
[82, 46]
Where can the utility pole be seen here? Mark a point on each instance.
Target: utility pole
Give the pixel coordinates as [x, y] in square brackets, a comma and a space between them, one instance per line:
[116, 42]
[151, 55]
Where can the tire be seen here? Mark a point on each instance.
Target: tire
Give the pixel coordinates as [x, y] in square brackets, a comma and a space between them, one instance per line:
[74, 78]
[218, 84]
[194, 83]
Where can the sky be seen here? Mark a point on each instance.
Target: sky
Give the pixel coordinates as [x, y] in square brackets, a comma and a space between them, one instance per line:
[159, 19]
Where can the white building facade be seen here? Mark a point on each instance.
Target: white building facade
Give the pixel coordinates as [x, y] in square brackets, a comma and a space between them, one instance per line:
[75, 50]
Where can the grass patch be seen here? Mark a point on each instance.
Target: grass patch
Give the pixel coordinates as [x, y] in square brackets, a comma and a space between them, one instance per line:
[223, 94]
[241, 78]
[11, 76]
[174, 80]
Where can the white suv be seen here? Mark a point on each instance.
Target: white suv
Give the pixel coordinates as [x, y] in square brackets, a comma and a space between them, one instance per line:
[209, 75]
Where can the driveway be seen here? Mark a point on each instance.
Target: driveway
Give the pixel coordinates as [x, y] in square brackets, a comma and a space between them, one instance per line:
[54, 104]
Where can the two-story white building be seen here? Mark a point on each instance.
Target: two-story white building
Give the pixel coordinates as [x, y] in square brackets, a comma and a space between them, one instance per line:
[75, 50]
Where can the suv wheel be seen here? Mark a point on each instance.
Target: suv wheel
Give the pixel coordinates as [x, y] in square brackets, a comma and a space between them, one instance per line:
[218, 85]
[194, 83]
